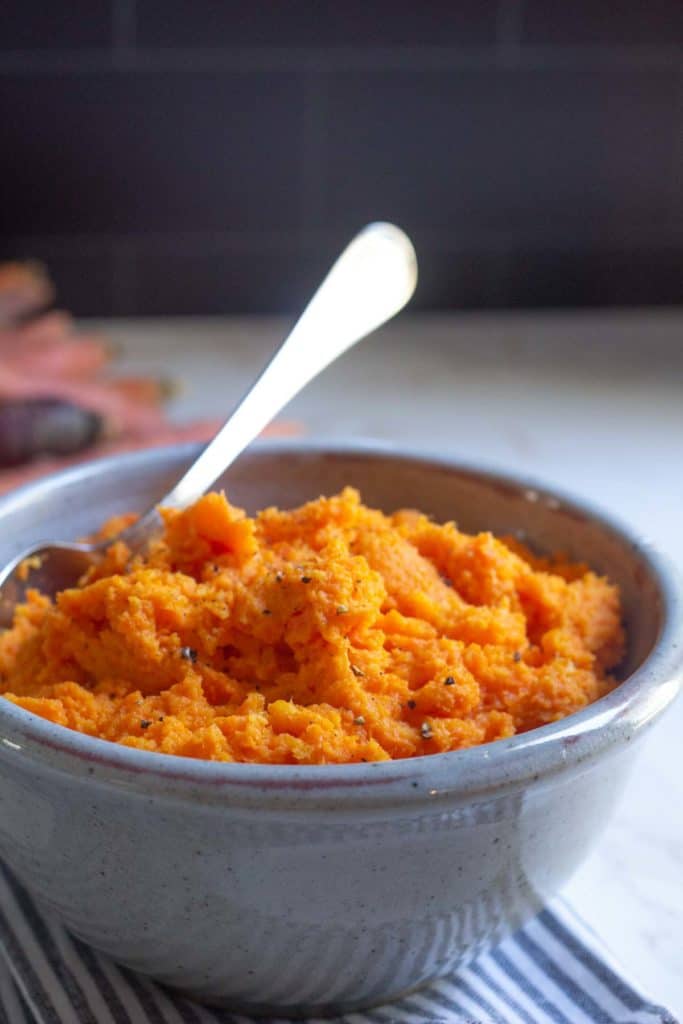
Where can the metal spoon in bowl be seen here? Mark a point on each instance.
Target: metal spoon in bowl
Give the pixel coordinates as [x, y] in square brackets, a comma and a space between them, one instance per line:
[371, 281]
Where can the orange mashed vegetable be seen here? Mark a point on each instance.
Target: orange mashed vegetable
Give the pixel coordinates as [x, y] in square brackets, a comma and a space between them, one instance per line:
[330, 633]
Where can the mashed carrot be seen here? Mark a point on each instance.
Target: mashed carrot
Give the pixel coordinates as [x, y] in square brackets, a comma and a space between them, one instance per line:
[331, 633]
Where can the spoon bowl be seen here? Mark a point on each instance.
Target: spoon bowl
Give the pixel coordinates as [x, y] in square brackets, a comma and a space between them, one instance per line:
[292, 890]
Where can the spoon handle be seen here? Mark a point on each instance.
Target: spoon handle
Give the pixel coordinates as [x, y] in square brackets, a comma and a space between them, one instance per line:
[371, 281]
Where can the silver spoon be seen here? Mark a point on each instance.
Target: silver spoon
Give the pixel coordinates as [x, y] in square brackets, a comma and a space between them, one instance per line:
[371, 281]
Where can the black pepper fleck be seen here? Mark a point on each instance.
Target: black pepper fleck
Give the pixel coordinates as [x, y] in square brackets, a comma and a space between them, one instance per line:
[145, 723]
[306, 579]
[188, 654]
[357, 671]
[160, 718]
[516, 656]
[279, 577]
[445, 580]
[266, 611]
[411, 704]
[449, 681]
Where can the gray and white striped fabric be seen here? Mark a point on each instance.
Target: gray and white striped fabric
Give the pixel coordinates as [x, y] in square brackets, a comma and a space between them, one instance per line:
[553, 971]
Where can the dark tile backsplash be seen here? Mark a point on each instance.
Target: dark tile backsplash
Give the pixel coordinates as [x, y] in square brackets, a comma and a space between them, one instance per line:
[164, 151]
[596, 276]
[213, 156]
[603, 23]
[477, 152]
[209, 275]
[295, 23]
[39, 26]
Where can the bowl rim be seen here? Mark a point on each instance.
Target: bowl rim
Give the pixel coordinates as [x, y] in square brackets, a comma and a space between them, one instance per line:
[483, 769]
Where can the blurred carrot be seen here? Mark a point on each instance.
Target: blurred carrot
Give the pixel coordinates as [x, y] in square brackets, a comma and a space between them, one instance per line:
[25, 288]
[48, 327]
[147, 390]
[68, 358]
[54, 397]
[120, 413]
[44, 426]
[189, 432]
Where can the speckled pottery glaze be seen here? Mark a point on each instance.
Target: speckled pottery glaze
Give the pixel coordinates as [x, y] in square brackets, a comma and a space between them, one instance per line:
[318, 890]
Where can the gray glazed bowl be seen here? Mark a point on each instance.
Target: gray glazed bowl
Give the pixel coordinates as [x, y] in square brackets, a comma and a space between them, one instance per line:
[295, 890]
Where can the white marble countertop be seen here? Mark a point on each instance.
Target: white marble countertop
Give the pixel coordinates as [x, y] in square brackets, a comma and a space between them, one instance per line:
[589, 401]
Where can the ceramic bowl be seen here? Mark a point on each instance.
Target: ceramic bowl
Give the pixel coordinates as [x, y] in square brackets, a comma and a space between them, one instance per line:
[294, 890]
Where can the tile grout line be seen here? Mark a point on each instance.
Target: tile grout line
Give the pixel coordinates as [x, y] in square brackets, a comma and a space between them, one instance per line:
[507, 56]
[509, 29]
[124, 265]
[123, 33]
[675, 202]
[632, 236]
[313, 153]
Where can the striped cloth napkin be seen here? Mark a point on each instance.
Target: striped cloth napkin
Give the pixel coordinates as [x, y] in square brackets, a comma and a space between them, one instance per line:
[553, 971]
